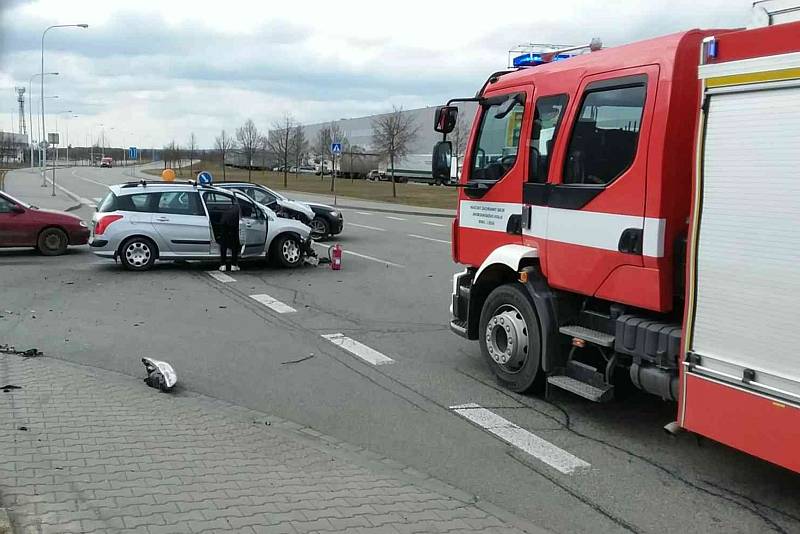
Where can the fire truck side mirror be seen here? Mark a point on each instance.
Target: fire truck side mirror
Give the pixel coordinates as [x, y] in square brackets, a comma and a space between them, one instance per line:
[444, 120]
[441, 161]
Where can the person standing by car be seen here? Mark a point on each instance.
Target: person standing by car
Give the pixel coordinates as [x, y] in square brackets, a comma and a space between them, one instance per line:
[229, 238]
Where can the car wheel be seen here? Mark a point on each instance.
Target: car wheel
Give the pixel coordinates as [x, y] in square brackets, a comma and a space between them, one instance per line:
[286, 251]
[52, 242]
[138, 254]
[320, 229]
[510, 339]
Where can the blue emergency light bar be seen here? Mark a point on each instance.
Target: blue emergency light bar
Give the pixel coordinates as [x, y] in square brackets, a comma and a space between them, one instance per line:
[533, 59]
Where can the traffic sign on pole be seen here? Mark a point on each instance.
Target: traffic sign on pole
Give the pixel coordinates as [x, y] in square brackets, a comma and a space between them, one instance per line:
[336, 148]
[133, 153]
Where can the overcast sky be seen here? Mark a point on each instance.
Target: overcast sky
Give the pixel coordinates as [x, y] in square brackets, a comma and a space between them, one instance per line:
[156, 70]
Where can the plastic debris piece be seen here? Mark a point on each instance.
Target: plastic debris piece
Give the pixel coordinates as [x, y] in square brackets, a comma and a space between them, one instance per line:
[160, 375]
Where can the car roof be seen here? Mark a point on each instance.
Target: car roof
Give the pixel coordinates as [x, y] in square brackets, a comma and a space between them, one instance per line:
[130, 188]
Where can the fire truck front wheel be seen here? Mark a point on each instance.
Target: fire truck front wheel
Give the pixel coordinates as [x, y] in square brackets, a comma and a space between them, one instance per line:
[510, 338]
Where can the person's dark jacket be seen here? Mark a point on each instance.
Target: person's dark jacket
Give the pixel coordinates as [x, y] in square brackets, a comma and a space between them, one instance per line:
[229, 224]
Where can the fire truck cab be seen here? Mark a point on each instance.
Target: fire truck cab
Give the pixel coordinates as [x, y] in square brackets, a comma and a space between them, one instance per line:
[587, 178]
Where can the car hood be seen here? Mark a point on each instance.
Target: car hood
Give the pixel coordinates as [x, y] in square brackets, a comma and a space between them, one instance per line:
[281, 224]
[301, 207]
[56, 214]
[318, 205]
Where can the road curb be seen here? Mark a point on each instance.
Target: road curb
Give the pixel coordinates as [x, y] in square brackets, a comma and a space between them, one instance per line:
[80, 201]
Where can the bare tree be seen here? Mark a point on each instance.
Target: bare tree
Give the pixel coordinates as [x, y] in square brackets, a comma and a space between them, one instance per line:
[299, 146]
[170, 153]
[459, 135]
[223, 144]
[327, 135]
[250, 139]
[392, 135]
[279, 142]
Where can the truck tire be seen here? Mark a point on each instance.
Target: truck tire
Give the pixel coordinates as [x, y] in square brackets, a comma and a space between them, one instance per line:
[510, 338]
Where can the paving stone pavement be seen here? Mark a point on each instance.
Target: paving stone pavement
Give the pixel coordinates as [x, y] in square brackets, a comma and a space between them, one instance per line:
[86, 450]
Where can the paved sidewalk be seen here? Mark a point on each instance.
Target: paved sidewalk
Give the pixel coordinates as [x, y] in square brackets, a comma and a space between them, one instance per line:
[26, 185]
[86, 450]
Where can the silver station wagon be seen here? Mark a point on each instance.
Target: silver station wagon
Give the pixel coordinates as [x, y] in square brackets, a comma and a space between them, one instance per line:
[141, 222]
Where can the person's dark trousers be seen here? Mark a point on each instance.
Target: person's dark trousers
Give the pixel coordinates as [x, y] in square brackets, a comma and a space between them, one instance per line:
[229, 242]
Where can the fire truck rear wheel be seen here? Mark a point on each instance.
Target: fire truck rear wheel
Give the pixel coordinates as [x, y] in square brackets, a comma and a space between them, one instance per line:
[510, 338]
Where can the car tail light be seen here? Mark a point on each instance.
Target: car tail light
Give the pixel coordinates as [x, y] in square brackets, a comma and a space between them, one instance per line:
[103, 223]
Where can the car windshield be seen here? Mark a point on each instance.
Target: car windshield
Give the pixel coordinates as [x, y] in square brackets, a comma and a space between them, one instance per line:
[275, 193]
[18, 201]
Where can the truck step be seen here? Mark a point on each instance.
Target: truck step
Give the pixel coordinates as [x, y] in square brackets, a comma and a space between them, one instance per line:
[582, 380]
[587, 334]
[459, 327]
[582, 389]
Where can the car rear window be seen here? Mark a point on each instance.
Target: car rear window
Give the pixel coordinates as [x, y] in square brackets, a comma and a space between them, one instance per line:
[109, 203]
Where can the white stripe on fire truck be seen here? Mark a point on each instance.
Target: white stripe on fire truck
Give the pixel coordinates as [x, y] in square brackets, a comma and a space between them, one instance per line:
[578, 227]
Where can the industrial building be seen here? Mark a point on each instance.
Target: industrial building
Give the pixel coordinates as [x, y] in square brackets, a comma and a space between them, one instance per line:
[12, 147]
[417, 164]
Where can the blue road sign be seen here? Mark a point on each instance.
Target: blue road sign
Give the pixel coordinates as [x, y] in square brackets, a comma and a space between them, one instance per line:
[336, 148]
[204, 178]
[133, 153]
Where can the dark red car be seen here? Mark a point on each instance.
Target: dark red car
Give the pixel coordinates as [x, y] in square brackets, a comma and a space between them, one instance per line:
[49, 231]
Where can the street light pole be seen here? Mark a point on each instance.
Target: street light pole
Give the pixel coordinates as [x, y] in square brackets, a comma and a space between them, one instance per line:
[43, 150]
[41, 92]
[30, 108]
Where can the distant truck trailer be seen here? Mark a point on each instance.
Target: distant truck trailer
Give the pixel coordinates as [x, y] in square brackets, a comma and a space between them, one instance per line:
[413, 168]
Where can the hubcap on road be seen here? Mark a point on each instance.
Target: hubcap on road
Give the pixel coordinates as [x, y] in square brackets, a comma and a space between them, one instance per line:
[137, 254]
[507, 338]
[291, 251]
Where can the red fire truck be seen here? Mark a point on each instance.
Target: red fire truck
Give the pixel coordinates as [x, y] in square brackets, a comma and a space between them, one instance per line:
[632, 214]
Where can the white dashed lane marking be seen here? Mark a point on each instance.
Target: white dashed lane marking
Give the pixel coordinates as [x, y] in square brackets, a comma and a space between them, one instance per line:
[429, 238]
[363, 213]
[395, 218]
[541, 449]
[271, 303]
[221, 277]
[364, 352]
[433, 224]
[367, 227]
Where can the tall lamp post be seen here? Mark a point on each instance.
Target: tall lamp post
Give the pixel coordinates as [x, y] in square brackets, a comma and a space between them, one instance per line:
[30, 108]
[43, 149]
[41, 92]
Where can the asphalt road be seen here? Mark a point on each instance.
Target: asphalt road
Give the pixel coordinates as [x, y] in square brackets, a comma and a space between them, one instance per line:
[392, 295]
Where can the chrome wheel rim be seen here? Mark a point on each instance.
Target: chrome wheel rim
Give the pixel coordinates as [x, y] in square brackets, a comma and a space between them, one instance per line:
[291, 251]
[137, 254]
[507, 339]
